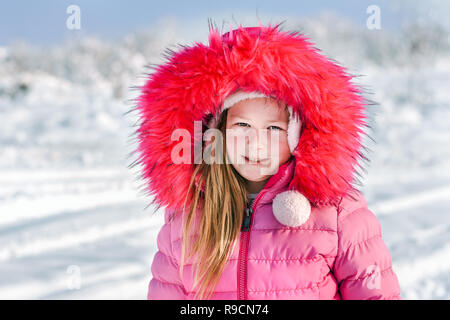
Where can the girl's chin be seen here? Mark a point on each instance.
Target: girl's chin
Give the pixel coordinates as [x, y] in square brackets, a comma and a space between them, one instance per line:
[256, 172]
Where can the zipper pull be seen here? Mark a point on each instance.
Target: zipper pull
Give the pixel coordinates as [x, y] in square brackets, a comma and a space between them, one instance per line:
[247, 218]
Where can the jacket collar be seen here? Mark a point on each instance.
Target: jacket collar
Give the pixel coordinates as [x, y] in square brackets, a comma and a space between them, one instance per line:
[277, 183]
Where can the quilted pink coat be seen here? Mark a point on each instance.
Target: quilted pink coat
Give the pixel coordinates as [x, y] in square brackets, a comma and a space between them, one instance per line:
[337, 254]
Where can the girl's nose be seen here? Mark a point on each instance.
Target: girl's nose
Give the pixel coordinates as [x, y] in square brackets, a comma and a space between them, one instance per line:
[257, 142]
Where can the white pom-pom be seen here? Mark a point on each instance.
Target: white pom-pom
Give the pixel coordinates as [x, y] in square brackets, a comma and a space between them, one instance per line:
[291, 208]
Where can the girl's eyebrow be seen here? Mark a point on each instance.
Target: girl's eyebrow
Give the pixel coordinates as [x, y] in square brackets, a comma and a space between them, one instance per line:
[270, 121]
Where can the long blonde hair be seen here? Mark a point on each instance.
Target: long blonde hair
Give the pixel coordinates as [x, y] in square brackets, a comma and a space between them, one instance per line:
[222, 205]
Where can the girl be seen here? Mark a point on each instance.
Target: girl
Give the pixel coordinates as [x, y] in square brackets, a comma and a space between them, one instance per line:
[275, 215]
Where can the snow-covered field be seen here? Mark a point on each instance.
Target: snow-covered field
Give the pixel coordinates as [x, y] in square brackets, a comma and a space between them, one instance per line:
[72, 218]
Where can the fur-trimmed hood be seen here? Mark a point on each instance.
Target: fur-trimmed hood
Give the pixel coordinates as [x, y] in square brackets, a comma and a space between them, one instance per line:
[194, 82]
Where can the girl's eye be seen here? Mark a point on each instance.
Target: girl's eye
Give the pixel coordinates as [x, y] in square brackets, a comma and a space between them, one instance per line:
[278, 128]
[243, 124]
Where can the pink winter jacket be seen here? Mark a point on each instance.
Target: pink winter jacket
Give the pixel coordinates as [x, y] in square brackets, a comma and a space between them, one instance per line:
[337, 254]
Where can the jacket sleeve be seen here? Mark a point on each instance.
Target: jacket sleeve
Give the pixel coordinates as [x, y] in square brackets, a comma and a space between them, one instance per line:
[363, 265]
[166, 283]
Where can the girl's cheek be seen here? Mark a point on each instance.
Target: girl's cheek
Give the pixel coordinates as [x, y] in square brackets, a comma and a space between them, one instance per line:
[232, 149]
[236, 139]
[284, 150]
[277, 142]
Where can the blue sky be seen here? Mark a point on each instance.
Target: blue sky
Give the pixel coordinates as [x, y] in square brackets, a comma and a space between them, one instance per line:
[44, 22]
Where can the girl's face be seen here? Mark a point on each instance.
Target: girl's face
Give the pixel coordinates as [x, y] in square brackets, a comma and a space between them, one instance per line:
[257, 130]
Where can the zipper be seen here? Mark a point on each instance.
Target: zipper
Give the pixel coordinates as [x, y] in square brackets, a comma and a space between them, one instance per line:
[244, 240]
[245, 236]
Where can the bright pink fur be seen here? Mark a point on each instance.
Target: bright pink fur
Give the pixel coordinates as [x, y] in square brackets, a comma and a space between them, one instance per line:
[195, 81]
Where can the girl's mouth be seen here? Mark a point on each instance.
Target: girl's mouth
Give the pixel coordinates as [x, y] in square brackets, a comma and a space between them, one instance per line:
[257, 162]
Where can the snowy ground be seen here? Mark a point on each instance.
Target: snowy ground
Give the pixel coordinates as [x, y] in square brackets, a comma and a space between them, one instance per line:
[73, 226]
[73, 234]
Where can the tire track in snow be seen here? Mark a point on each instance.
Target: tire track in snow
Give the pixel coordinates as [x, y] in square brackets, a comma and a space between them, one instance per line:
[403, 204]
[43, 222]
[35, 197]
[44, 244]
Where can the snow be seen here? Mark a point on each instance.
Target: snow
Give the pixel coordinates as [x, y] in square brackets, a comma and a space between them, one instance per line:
[73, 223]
